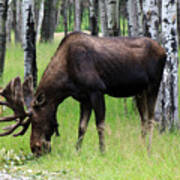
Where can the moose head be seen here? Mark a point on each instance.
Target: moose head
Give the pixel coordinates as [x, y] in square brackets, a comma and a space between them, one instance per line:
[20, 98]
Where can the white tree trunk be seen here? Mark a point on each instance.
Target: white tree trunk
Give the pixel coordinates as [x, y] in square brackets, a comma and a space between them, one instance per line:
[139, 18]
[9, 21]
[77, 15]
[17, 20]
[25, 9]
[151, 18]
[170, 78]
[178, 11]
[103, 17]
[112, 17]
[3, 16]
[93, 9]
[29, 43]
[132, 18]
[135, 27]
[40, 19]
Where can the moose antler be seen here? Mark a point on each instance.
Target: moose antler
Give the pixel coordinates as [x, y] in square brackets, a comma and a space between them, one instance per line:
[17, 96]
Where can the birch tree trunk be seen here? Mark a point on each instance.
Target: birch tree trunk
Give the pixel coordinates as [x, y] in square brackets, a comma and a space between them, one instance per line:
[178, 18]
[151, 18]
[135, 18]
[39, 14]
[77, 15]
[64, 8]
[94, 17]
[17, 20]
[29, 41]
[3, 16]
[139, 17]
[9, 21]
[112, 16]
[132, 18]
[103, 17]
[170, 77]
[49, 21]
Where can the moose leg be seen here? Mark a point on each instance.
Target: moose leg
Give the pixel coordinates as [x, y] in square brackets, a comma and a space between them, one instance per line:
[98, 104]
[151, 102]
[85, 109]
[141, 102]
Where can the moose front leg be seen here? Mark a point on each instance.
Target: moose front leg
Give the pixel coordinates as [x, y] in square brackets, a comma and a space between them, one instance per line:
[98, 104]
[85, 109]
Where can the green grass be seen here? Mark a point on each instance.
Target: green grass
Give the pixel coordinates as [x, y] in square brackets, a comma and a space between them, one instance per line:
[125, 157]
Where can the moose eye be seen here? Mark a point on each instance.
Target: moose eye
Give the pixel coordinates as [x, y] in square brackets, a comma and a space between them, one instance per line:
[40, 100]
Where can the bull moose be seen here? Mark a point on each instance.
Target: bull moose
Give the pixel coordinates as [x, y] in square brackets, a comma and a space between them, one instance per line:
[86, 68]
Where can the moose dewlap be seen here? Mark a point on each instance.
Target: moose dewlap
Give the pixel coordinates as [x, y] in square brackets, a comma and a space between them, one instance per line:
[86, 68]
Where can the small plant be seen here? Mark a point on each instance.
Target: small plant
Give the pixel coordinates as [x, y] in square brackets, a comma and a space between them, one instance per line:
[10, 158]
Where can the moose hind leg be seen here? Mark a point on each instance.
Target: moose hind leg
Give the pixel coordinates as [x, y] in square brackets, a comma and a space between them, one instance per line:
[98, 104]
[141, 102]
[151, 109]
[85, 109]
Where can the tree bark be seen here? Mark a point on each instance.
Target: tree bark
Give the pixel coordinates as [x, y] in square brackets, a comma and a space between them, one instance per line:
[112, 14]
[94, 17]
[103, 17]
[29, 41]
[64, 9]
[9, 21]
[17, 20]
[77, 15]
[151, 19]
[3, 16]
[132, 18]
[49, 21]
[178, 13]
[39, 14]
[170, 77]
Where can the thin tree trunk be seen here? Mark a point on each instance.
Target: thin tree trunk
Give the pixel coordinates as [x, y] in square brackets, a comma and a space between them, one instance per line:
[9, 21]
[71, 7]
[64, 10]
[29, 41]
[3, 16]
[170, 78]
[94, 17]
[39, 14]
[113, 29]
[132, 18]
[17, 21]
[178, 12]
[151, 18]
[103, 17]
[139, 17]
[49, 21]
[77, 15]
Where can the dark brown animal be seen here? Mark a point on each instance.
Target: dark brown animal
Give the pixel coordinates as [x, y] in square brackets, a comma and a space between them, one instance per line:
[86, 68]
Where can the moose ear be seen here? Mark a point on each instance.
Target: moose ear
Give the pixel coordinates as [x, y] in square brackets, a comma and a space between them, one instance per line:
[40, 100]
[28, 91]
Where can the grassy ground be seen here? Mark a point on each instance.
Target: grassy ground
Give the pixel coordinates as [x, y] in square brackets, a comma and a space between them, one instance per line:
[125, 157]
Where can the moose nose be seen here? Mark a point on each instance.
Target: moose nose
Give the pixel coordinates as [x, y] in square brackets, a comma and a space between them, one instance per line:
[41, 148]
